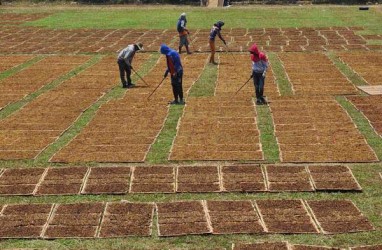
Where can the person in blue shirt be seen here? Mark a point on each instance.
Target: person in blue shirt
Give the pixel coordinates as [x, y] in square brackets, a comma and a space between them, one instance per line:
[215, 31]
[174, 67]
[183, 33]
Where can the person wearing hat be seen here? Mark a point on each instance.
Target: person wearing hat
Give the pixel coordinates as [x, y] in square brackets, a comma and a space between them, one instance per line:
[259, 69]
[183, 33]
[125, 59]
[216, 28]
[175, 68]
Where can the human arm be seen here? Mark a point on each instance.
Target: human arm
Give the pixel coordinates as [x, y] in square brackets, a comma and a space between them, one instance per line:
[170, 66]
[129, 55]
[221, 38]
[175, 64]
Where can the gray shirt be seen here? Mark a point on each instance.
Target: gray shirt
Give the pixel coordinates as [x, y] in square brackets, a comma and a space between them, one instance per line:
[127, 54]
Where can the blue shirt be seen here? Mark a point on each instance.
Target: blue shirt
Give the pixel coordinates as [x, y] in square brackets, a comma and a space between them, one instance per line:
[173, 56]
[214, 31]
[259, 66]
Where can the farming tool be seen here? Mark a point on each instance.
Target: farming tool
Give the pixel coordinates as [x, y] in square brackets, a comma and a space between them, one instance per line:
[156, 88]
[140, 77]
[244, 84]
[192, 38]
[229, 52]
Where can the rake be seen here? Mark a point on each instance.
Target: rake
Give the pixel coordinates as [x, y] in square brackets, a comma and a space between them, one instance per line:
[156, 88]
[243, 84]
[140, 77]
[230, 52]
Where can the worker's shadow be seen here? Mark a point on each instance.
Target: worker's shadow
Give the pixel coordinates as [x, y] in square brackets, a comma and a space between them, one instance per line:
[141, 86]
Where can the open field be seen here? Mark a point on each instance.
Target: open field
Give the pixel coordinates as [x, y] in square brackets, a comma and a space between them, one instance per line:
[144, 17]
[90, 165]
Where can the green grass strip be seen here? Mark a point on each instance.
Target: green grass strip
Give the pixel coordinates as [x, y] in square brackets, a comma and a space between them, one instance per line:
[76, 128]
[16, 164]
[20, 67]
[267, 136]
[363, 125]
[87, 116]
[205, 85]
[282, 81]
[346, 70]
[13, 107]
[163, 17]
[374, 42]
[160, 150]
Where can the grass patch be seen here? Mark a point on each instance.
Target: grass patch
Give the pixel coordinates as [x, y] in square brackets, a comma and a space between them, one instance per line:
[145, 68]
[16, 164]
[87, 116]
[374, 42]
[13, 107]
[282, 81]
[164, 17]
[160, 150]
[346, 70]
[20, 67]
[363, 125]
[267, 136]
[205, 85]
[76, 128]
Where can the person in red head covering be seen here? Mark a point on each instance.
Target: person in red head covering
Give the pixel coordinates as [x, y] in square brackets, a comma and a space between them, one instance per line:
[259, 69]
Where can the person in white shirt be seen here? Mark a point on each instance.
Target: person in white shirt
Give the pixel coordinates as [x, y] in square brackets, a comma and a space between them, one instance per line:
[125, 59]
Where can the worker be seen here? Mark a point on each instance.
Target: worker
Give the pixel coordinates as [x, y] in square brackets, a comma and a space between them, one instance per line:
[125, 59]
[183, 33]
[259, 69]
[215, 30]
[174, 67]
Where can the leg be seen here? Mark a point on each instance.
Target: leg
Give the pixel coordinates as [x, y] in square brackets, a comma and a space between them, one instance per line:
[257, 90]
[261, 89]
[212, 47]
[180, 43]
[188, 50]
[186, 44]
[174, 90]
[121, 66]
[180, 87]
[181, 92]
[128, 74]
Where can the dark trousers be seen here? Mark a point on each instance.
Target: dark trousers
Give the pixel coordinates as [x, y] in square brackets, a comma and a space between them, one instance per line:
[124, 68]
[177, 87]
[258, 81]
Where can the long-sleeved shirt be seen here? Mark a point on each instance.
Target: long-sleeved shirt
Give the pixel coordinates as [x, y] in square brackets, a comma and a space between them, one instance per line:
[173, 59]
[215, 31]
[259, 60]
[181, 26]
[127, 54]
[260, 66]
